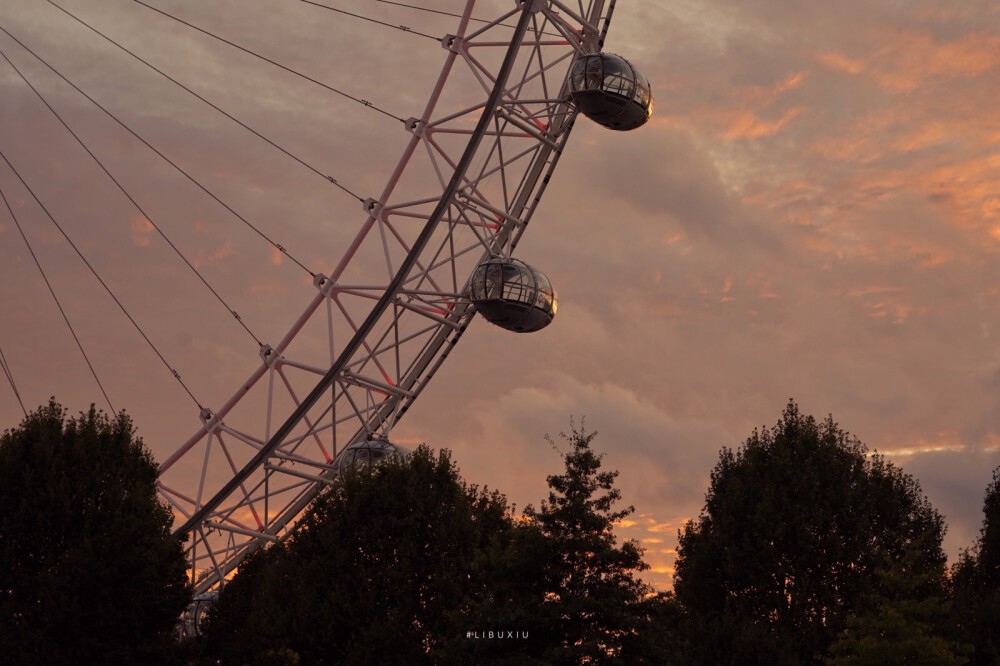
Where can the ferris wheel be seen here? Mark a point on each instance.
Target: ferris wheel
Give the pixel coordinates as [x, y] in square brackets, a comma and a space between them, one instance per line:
[430, 250]
[433, 247]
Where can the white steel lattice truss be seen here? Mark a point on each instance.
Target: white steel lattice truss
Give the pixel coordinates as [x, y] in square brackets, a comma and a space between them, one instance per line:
[381, 324]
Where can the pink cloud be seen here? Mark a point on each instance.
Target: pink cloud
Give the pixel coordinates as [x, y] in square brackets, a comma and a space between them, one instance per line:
[142, 230]
[910, 58]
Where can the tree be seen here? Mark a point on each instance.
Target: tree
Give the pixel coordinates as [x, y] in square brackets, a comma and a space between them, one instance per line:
[370, 575]
[901, 627]
[507, 591]
[89, 572]
[559, 577]
[596, 604]
[976, 581]
[406, 563]
[796, 525]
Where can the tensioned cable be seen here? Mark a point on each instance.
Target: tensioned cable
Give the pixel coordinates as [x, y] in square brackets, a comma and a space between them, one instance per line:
[438, 11]
[99, 279]
[363, 102]
[454, 15]
[366, 18]
[150, 146]
[52, 291]
[10, 376]
[130, 197]
[227, 115]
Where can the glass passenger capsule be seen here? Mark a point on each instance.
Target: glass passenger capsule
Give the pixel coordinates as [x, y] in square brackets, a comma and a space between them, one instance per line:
[194, 619]
[513, 295]
[610, 91]
[367, 453]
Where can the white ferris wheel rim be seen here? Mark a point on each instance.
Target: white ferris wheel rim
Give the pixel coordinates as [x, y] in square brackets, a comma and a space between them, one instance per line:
[482, 211]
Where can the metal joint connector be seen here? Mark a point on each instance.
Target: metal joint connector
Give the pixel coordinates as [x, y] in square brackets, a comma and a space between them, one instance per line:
[208, 418]
[452, 43]
[320, 281]
[415, 126]
[268, 355]
[534, 6]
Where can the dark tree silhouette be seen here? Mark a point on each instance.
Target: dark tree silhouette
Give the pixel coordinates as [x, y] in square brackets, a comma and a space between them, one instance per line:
[594, 598]
[796, 526]
[369, 576]
[89, 572]
[976, 579]
[406, 563]
[560, 576]
[901, 627]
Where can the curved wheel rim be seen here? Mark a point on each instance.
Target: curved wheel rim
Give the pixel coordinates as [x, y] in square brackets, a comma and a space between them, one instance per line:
[361, 352]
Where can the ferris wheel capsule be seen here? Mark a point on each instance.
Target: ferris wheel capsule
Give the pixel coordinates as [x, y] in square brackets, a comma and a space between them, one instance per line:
[610, 91]
[513, 295]
[368, 453]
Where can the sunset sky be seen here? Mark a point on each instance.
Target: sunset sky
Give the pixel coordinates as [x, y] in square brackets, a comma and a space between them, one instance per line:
[813, 213]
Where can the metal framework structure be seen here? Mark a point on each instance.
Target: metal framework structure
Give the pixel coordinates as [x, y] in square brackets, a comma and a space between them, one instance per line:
[466, 187]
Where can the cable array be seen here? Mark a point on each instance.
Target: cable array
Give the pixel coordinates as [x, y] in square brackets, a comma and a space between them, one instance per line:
[10, 377]
[99, 279]
[52, 291]
[363, 102]
[436, 11]
[452, 15]
[3, 362]
[326, 177]
[125, 192]
[366, 18]
[145, 143]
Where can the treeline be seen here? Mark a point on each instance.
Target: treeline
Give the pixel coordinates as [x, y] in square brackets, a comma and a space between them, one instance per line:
[809, 550]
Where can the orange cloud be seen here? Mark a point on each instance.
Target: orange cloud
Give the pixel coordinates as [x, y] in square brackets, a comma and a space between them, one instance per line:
[890, 302]
[994, 443]
[142, 230]
[766, 95]
[841, 62]
[912, 57]
[747, 119]
[267, 287]
[865, 291]
[277, 257]
[922, 447]
[221, 253]
[748, 125]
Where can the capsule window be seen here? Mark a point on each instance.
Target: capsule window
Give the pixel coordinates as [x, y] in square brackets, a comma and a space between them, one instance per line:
[609, 90]
[526, 301]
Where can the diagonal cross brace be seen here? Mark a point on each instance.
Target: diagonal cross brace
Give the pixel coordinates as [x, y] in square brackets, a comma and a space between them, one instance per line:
[387, 297]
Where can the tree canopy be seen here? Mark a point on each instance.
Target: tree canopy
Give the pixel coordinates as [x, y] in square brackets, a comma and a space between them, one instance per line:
[901, 625]
[369, 575]
[796, 527]
[561, 575]
[407, 563]
[593, 587]
[809, 550]
[89, 572]
[976, 579]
